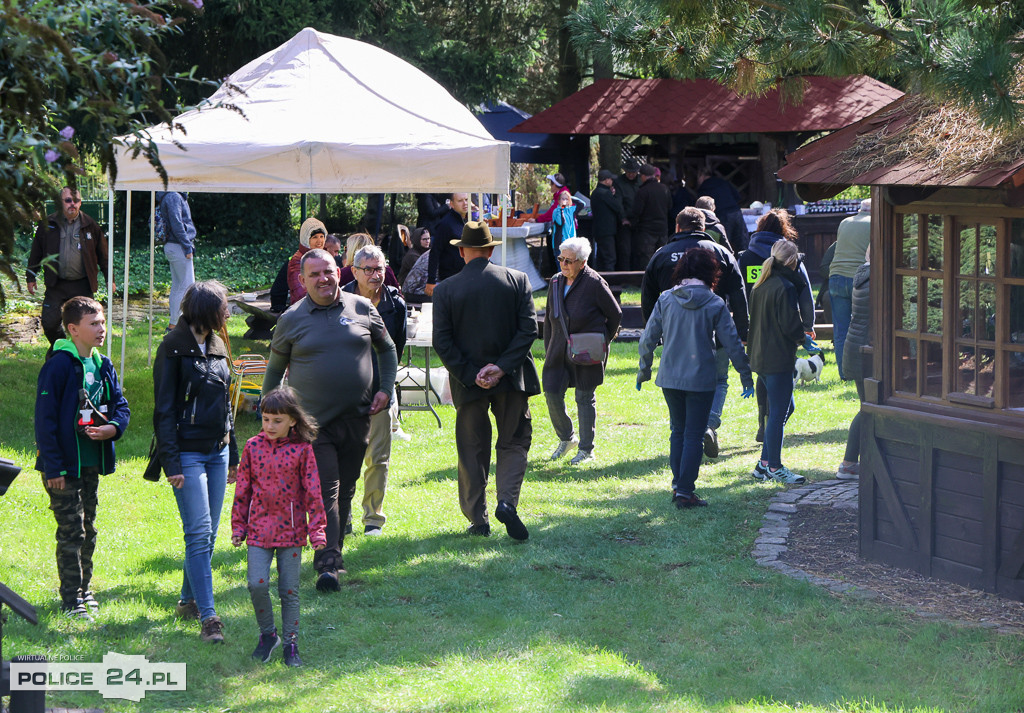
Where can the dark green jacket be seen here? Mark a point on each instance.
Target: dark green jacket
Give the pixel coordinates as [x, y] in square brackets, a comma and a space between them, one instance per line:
[775, 327]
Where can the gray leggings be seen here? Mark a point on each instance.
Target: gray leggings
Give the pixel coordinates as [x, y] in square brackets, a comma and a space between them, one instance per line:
[586, 412]
[289, 560]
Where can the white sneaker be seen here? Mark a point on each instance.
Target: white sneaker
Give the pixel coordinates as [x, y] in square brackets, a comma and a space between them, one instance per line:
[848, 472]
[401, 435]
[582, 457]
[563, 447]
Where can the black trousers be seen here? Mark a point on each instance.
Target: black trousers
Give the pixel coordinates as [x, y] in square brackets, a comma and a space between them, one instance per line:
[624, 248]
[54, 299]
[511, 411]
[339, 449]
[605, 257]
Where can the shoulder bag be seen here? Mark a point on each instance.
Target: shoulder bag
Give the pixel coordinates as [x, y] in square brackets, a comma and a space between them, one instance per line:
[582, 348]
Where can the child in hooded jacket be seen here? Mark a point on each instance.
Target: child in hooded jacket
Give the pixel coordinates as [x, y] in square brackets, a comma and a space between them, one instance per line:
[277, 488]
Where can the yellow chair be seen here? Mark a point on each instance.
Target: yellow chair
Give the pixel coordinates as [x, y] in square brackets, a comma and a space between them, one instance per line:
[248, 371]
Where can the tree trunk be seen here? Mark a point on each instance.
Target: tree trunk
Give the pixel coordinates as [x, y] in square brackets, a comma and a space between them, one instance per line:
[569, 73]
[609, 151]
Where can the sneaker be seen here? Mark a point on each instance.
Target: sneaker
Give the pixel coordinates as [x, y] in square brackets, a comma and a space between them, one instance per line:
[213, 630]
[711, 443]
[760, 471]
[78, 611]
[266, 645]
[848, 472]
[785, 475]
[188, 611]
[400, 435]
[691, 500]
[89, 600]
[291, 655]
[372, 531]
[582, 457]
[327, 581]
[479, 530]
[563, 447]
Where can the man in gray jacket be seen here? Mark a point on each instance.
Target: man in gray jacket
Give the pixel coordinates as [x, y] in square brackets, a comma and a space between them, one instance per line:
[323, 330]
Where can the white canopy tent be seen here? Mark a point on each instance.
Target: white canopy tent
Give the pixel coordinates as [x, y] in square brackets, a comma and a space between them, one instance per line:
[319, 114]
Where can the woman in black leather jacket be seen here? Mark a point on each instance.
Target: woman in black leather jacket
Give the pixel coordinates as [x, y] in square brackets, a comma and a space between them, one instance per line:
[196, 437]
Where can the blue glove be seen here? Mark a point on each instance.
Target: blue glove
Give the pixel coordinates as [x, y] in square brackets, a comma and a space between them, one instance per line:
[810, 345]
[748, 392]
[639, 382]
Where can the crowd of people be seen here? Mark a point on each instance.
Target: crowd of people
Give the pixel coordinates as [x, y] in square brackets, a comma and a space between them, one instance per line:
[295, 481]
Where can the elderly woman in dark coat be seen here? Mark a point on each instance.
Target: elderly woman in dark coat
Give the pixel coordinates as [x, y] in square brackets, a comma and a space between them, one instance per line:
[579, 300]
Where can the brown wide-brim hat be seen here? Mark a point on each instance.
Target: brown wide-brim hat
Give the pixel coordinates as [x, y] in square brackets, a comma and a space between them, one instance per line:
[476, 235]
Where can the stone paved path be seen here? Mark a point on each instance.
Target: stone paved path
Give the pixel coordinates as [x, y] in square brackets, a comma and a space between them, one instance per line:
[774, 533]
[773, 539]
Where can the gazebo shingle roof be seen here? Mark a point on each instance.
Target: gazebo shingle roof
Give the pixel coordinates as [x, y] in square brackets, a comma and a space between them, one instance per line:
[700, 106]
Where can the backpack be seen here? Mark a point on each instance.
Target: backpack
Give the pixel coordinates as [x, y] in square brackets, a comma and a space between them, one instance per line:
[161, 229]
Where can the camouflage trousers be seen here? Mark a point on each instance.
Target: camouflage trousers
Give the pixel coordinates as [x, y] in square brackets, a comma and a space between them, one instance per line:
[74, 508]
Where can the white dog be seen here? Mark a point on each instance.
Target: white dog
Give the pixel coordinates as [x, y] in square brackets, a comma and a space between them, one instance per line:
[808, 369]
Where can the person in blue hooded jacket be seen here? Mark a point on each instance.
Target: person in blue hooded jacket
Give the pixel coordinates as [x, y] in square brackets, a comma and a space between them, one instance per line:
[79, 413]
[689, 317]
[179, 247]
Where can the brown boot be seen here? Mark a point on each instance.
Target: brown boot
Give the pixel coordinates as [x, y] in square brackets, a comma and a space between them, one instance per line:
[213, 630]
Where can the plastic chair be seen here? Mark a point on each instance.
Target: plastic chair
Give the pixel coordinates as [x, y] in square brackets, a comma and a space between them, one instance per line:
[248, 371]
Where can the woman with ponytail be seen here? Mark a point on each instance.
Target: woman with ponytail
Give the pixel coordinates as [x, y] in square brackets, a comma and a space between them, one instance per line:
[775, 333]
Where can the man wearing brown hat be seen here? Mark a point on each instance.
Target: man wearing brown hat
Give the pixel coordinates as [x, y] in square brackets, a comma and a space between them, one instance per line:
[484, 326]
[649, 217]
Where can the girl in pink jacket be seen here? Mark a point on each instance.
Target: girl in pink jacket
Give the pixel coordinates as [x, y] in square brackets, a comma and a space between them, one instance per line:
[277, 487]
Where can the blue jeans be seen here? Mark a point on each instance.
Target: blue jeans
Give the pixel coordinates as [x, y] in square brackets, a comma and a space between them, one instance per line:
[688, 417]
[780, 400]
[840, 291]
[200, 501]
[721, 388]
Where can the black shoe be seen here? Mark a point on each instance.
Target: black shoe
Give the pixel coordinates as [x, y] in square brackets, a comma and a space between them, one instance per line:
[479, 530]
[506, 514]
[372, 530]
[327, 581]
[266, 645]
[348, 529]
[711, 443]
[291, 655]
[691, 500]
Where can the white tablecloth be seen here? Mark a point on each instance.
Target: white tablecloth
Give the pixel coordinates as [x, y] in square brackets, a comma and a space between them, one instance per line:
[519, 251]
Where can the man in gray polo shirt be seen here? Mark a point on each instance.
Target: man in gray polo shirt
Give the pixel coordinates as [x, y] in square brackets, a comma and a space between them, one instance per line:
[325, 341]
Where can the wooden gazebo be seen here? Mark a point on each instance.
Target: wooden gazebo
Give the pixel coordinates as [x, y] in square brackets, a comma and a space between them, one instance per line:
[699, 123]
[942, 464]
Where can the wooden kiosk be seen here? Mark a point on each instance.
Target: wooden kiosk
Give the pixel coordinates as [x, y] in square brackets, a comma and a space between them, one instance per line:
[942, 451]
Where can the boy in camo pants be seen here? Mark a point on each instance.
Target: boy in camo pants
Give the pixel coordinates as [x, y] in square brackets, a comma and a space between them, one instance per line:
[80, 412]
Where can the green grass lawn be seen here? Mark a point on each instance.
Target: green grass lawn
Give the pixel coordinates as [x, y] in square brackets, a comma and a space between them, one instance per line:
[618, 602]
